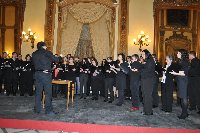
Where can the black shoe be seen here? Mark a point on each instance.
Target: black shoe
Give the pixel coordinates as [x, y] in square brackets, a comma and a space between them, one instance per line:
[21, 94]
[105, 100]
[198, 112]
[183, 116]
[155, 106]
[52, 113]
[119, 104]
[81, 97]
[14, 94]
[109, 101]
[148, 114]
[93, 98]
[191, 109]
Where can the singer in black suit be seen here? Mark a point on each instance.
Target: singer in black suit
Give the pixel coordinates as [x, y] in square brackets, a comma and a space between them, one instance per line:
[182, 81]
[121, 69]
[194, 80]
[167, 85]
[147, 81]
[109, 80]
[135, 73]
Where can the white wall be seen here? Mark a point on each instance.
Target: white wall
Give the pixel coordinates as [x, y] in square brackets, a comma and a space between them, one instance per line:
[35, 19]
[140, 18]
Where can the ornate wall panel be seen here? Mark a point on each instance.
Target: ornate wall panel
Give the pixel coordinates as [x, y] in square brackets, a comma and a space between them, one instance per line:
[161, 43]
[49, 23]
[12, 25]
[123, 27]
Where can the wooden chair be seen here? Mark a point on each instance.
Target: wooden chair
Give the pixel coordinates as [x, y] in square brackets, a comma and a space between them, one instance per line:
[63, 82]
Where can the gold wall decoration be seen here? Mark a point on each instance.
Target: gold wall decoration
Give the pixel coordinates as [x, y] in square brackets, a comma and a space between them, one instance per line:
[49, 23]
[161, 28]
[65, 3]
[11, 25]
[123, 27]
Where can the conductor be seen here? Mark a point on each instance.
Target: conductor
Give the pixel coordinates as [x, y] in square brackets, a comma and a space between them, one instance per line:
[42, 59]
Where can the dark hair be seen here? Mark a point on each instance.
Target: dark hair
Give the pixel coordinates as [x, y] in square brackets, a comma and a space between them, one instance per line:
[14, 53]
[86, 60]
[155, 57]
[40, 45]
[71, 57]
[193, 53]
[128, 57]
[136, 56]
[4, 53]
[110, 58]
[95, 60]
[184, 54]
[28, 55]
[123, 56]
[147, 54]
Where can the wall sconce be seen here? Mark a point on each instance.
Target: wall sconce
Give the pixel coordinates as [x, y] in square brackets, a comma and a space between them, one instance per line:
[29, 36]
[142, 40]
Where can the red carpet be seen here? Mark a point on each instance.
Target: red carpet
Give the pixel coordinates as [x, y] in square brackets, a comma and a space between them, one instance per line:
[84, 128]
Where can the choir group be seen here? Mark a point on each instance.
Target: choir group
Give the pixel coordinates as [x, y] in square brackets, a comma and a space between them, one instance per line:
[133, 77]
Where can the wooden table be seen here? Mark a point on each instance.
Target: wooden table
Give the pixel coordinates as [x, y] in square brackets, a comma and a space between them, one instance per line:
[63, 82]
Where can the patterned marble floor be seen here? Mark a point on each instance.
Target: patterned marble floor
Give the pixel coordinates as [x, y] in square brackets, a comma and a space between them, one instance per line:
[87, 111]
[9, 130]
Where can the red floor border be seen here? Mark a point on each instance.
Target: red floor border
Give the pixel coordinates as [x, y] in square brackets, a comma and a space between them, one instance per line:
[84, 128]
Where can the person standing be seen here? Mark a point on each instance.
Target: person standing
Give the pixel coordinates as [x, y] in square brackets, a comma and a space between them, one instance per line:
[182, 81]
[194, 80]
[135, 73]
[84, 72]
[42, 59]
[27, 77]
[167, 85]
[109, 80]
[2, 70]
[121, 70]
[158, 70]
[147, 81]
[12, 75]
[95, 79]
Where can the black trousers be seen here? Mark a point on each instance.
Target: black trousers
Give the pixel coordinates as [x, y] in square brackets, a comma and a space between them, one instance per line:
[155, 91]
[127, 90]
[26, 83]
[147, 90]
[182, 83]
[1, 79]
[134, 86]
[121, 86]
[43, 82]
[109, 82]
[83, 84]
[11, 82]
[96, 86]
[194, 92]
[88, 85]
[167, 96]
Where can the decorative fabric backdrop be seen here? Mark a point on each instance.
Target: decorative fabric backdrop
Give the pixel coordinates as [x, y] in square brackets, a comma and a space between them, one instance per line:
[84, 48]
[100, 39]
[87, 12]
[99, 18]
[70, 35]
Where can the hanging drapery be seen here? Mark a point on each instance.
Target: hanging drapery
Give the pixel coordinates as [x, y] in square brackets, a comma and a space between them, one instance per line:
[100, 39]
[70, 35]
[84, 48]
[98, 18]
[87, 12]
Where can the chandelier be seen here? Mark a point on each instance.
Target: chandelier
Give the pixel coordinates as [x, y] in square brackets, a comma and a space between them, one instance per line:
[142, 40]
[29, 36]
